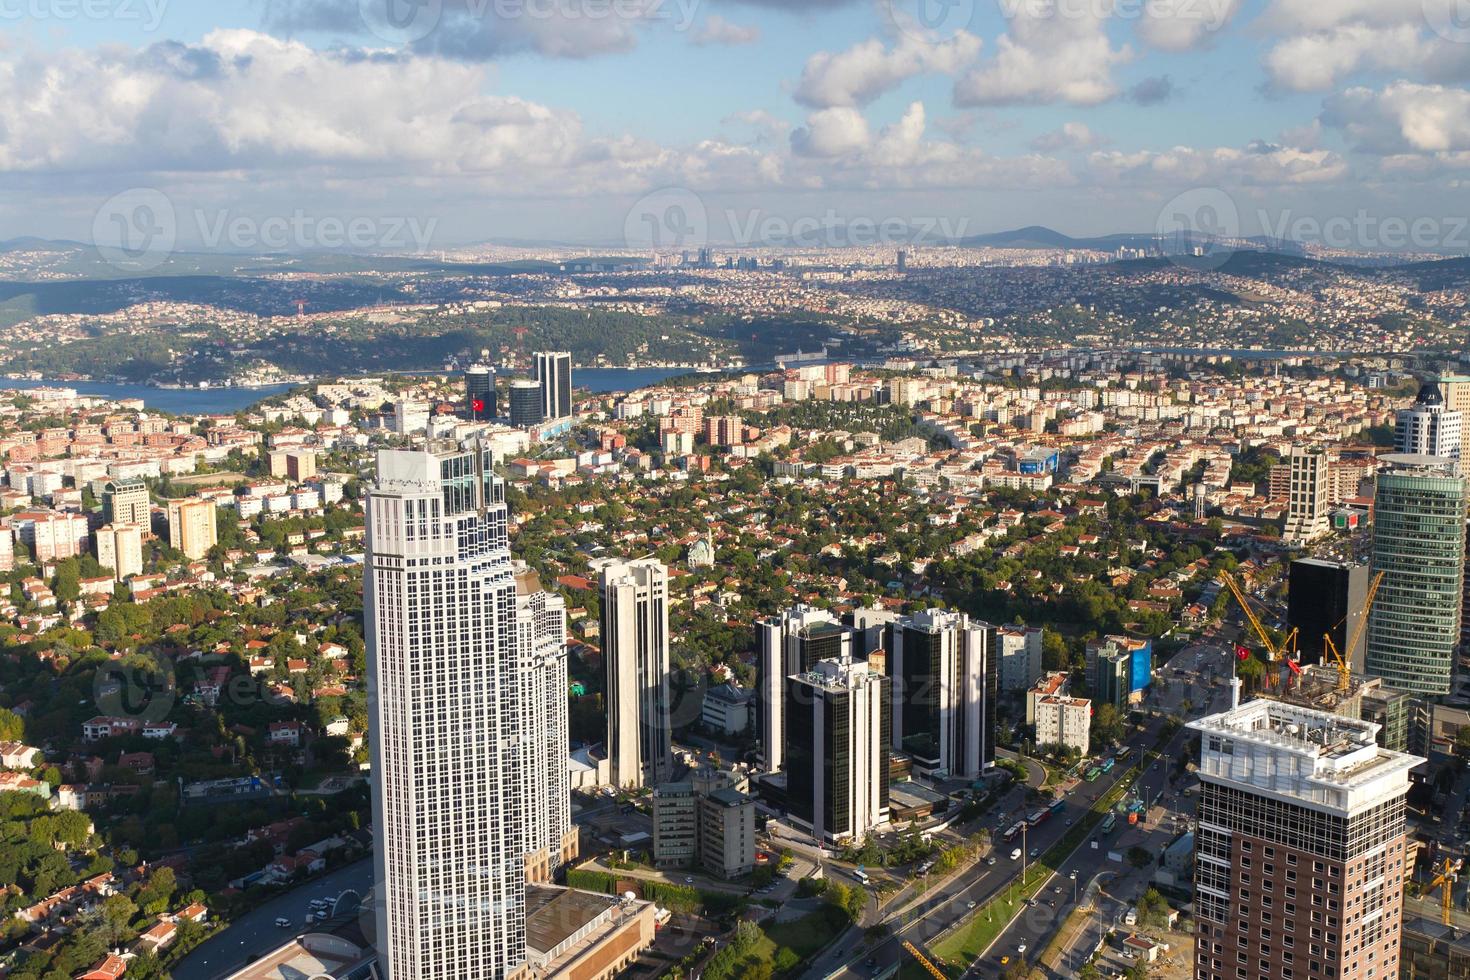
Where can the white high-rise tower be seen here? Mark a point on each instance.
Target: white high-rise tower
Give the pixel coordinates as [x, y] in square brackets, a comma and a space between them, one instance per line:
[635, 651]
[449, 734]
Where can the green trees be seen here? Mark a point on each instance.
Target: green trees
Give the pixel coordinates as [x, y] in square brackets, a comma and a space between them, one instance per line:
[1107, 724]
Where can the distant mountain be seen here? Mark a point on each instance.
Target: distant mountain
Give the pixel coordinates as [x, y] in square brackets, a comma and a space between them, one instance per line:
[29, 243]
[1036, 236]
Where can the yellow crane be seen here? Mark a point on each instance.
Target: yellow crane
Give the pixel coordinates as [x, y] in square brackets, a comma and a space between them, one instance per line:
[934, 971]
[1278, 651]
[1445, 882]
[1344, 669]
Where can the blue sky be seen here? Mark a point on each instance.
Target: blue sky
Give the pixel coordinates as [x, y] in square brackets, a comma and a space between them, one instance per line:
[1086, 115]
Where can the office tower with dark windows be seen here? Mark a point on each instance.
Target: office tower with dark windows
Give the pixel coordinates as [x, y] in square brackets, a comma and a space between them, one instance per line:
[945, 681]
[126, 501]
[449, 734]
[837, 736]
[525, 404]
[554, 375]
[791, 643]
[479, 394]
[1300, 846]
[1419, 545]
[635, 656]
[1326, 598]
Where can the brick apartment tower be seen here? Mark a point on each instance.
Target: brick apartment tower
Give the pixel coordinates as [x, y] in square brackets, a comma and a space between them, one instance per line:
[1300, 847]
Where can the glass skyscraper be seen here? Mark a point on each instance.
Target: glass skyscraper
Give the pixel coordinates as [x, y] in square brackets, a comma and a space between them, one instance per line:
[1419, 545]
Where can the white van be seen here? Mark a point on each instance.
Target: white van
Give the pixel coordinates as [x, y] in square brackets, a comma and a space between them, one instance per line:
[1131, 918]
[283, 923]
[1016, 854]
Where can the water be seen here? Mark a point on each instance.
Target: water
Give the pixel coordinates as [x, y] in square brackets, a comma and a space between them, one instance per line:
[223, 401]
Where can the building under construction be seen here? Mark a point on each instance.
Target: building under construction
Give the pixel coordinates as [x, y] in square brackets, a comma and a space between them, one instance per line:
[1365, 698]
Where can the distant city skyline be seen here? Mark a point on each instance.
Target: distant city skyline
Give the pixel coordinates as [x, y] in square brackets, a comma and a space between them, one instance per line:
[476, 120]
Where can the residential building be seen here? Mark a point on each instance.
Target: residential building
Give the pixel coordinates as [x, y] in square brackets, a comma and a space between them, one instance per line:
[726, 709]
[1326, 598]
[791, 643]
[1064, 721]
[120, 548]
[1308, 500]
[1429, 427]
[635, 651]
[1053, 684]
[675, 825]
[410, 416]
[126, 502]
[51, 536]
[554, 376]
[706, 822]
[448, 731]
[838, 733]
[1300, 847]
[1018, 650]
[945, 681]
[191, 526]
[1419, 546]
[727, 833]
[526, 409]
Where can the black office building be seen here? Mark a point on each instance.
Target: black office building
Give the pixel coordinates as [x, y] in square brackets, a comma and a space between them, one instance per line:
[1326, 598]
[525, 404]
[479, 394]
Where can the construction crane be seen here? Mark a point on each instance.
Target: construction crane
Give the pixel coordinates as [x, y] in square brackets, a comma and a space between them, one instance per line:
[1334, 655]
[1278, 651]
[934, 971]
[1445, 882]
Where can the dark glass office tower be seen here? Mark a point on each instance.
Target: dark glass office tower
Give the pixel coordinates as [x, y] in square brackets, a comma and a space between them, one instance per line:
[479, 394]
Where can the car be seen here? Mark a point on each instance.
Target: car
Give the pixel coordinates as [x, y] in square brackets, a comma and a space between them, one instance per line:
[871, 961]
[1069, 821]
[688, 881]
[990, 860]
[1005, 959]
[970, 904]
[1056, 889]
[1073, 876]
[1031, 903]
[1035, 853]
[282, 922]
[1021, 950]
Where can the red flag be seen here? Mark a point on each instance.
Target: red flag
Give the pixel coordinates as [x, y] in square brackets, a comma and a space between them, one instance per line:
[1241, 653]
[478, 405]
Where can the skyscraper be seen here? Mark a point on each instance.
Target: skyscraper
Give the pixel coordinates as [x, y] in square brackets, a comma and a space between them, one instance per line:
[635, 654]
[1306, 507]
[1326, 598]
[1300, 849]
[554, 375]
[449, 721]
[1430, 427]
[126, 502]
[479, 394]
[945, 680]
[120, 548]
[541, 639]
[525, 404]
[791, 643]
[837, 724]
[1419, 545]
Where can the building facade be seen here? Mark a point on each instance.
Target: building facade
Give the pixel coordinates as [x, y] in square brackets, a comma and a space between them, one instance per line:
[1064, 721]
[791, 643]
[945, 681]
[1430, 427]
[635, 651]
[526, 409]
[191, 526]
[1308, 499]
[554, 376]
[127, 502]
[838, 721]
[1018, 649]
[1326, 598]
[120, 548]
[1300, 851]
[479, 394]
[448, 734]
[541, 640]
[1419, 545]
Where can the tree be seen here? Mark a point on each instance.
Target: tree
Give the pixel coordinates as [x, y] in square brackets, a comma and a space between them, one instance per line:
[1107, 724]
[12, 727]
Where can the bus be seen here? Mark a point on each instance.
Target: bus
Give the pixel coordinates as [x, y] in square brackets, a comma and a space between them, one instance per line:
[1036, 818]
[861, 875]
[1092, 774]
[1056, 805]
[1109, 823]
[1014, 831]
[1107, 766]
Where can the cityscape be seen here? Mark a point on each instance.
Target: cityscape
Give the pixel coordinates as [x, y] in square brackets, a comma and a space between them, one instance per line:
[734, 490]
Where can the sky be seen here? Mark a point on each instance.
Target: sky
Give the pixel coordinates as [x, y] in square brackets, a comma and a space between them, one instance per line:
[415, 125]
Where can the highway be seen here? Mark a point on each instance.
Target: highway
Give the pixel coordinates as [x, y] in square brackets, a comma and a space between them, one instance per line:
[254, 934]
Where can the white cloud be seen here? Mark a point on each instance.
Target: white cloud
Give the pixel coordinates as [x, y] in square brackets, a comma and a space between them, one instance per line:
[718, 30]
[1184, 166]
[1072, 136]
[1405, 117]
[1321, 44]
[1052, 53]
[1182, 25]
[867, 70]
[831, 133]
